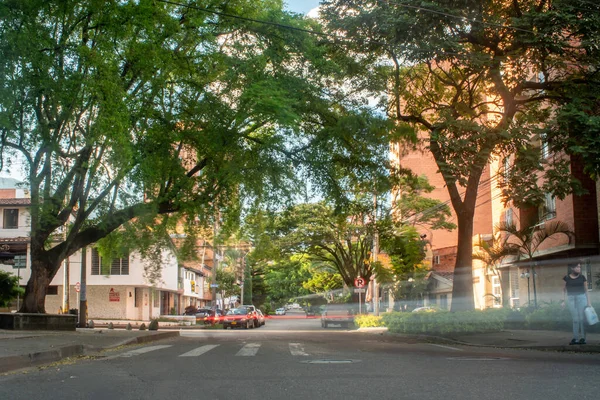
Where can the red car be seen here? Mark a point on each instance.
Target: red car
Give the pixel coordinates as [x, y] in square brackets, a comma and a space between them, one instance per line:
[239, 318]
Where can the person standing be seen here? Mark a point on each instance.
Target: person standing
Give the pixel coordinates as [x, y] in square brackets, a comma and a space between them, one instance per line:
[577, 297]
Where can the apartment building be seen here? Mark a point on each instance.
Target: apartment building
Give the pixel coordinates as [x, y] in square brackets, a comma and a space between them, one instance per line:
[528, 282]
[121, 289]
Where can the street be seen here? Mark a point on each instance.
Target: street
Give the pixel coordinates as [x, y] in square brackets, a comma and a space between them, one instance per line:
[297, 359]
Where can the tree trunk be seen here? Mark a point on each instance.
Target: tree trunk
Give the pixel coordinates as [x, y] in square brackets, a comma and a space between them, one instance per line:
[462, 289]
[34, 300]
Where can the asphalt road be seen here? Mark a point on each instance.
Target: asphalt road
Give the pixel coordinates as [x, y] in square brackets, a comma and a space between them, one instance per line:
[297, 359]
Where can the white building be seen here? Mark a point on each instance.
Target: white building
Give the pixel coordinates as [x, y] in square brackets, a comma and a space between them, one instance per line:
[121, 290]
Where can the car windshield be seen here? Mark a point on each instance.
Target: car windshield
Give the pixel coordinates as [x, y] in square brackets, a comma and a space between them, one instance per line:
[237, 311]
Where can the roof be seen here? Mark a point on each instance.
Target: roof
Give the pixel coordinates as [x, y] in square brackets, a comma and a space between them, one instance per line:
[444, 274]
[15, 202]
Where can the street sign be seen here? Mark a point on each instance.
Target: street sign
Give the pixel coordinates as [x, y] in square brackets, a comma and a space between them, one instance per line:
[214, 285]
[359, 282]
[77, 287]
[360, 290]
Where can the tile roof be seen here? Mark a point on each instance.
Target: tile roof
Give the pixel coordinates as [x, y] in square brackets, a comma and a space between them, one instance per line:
[15, 202]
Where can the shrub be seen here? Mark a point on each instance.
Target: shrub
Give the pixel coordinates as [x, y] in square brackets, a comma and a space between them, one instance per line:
[445, 323]
[550, 316]
[153, 326]
[142, 327]
[368, 321]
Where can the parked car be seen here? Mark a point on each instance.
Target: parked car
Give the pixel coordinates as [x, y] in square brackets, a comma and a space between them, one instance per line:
[252, 308]
[341, 314]
[239, 318]
[425, 309]
[213, 317]
[202, 313]
[261, 317]
[280, 311]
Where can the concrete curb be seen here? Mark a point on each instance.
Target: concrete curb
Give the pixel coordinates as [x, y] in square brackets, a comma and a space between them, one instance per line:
[587, 348]
[12, 363]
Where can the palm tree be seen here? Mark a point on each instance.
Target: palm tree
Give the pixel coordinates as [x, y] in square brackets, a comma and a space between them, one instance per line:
[523, 243]
[492, 254]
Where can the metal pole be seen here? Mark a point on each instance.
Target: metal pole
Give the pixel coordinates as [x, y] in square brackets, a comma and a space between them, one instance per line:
[375, 251]
[534, 289]
[215, 260]
[19, 283]
[83, 290]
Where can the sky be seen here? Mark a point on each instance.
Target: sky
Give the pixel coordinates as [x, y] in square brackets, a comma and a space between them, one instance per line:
[301, 6]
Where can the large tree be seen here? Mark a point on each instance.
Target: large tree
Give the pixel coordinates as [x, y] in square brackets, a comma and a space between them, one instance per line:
[125, 111]
[478, 79]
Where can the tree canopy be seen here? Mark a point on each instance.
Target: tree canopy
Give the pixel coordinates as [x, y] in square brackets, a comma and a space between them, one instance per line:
[123, 111]
[482, 79]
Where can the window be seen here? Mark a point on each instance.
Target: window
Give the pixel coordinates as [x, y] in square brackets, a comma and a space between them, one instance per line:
[508, 217]
[119, 266]
[436, 260]
[52, 290]
[548, 209]
[506, 167]
[11, 218]
[544, 146]
[155, 299]
[514, 289]
[497, 291]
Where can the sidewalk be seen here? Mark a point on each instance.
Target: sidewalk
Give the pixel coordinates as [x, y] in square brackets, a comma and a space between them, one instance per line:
[519, 339]
[22, 349]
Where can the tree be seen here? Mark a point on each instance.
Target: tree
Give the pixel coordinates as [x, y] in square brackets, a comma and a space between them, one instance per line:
[227, 283]
[477, 80]
[126, 112]
[9, 288]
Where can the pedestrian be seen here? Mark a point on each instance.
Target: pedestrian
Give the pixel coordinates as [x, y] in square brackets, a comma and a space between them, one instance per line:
[577, 297]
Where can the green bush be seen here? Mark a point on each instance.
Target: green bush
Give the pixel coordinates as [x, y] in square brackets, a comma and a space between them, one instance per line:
[445, 323]
[153, 326]
[551, 316]
[368, 321]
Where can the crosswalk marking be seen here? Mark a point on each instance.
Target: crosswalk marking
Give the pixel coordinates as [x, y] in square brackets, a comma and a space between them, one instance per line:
[297, 350]
[199, 351]
[249, 350]
[143, 350]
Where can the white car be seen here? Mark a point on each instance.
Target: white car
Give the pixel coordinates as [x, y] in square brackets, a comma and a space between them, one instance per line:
[280, 311]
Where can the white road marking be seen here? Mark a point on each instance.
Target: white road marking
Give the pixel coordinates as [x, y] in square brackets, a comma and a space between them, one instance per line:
[143, 350]
[249, 350]
[297, 350]
[445, 347]
[199, 351]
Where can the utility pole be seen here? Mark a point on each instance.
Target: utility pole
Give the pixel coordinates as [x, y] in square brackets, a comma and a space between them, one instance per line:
[82, 290]
[66, 283]
[375, 251]
[216, 256]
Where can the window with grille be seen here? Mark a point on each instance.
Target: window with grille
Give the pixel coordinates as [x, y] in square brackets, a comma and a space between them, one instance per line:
[11, 218]
[508, 217]
[118, 266]
[547, 211]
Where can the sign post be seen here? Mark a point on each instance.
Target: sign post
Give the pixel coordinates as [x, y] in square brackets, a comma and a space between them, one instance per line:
[359, 283]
